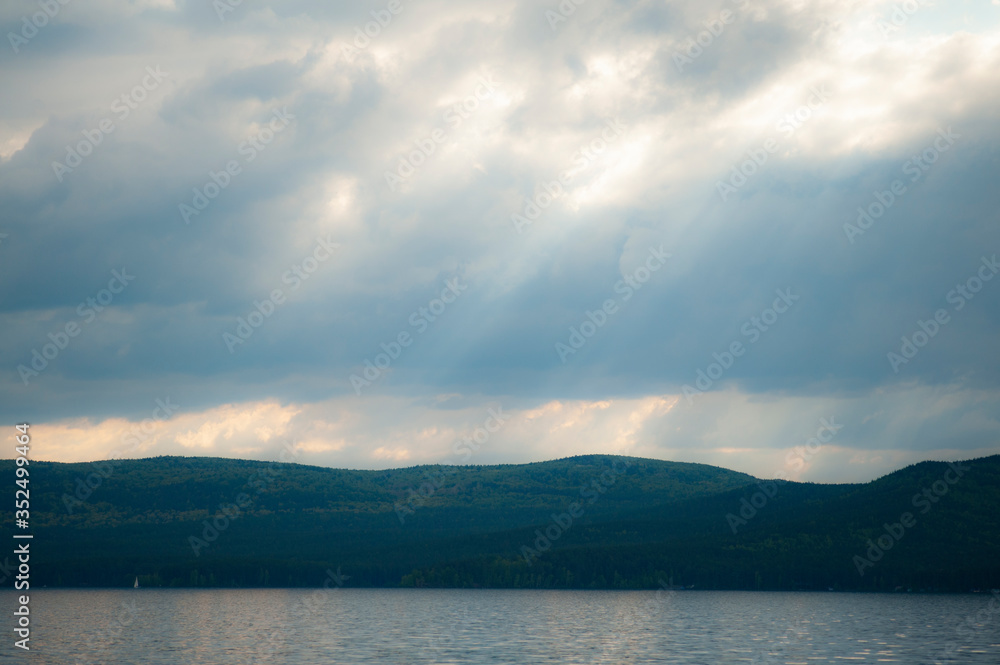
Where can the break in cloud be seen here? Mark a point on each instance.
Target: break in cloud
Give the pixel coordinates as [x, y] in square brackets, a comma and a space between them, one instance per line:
[630, 227]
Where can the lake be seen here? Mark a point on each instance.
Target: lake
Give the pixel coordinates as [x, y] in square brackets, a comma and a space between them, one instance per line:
[502, 626]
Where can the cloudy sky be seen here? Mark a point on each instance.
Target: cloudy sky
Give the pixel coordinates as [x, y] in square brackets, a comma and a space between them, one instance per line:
[684, 230]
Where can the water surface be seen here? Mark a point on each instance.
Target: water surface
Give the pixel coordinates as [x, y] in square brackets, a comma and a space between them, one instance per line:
[308, 627]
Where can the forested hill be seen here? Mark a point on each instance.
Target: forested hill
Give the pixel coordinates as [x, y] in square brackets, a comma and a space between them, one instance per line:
[595, 521]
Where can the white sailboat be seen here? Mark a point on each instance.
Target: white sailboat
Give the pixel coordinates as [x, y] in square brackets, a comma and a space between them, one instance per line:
[136, 585]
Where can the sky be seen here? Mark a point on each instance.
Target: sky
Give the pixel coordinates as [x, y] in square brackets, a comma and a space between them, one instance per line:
[758, 234]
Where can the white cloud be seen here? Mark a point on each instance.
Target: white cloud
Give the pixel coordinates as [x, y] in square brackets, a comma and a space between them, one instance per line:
[655, 184]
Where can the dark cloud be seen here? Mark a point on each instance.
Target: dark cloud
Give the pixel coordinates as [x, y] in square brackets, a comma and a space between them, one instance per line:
[357, 118]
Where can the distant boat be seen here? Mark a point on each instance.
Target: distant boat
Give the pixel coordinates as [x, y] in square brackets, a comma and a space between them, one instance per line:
[136, 585]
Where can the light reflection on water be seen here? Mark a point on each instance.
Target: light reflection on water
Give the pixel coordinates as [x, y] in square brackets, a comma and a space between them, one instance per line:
[307, 627]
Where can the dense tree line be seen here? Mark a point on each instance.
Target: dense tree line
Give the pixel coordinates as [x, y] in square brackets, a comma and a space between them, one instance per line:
[199, 522]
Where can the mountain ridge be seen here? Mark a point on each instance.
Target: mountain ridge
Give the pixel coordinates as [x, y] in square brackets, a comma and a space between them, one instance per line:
[611, 522]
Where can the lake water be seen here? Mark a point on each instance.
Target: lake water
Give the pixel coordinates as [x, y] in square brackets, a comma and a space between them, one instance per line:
[306, 627]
